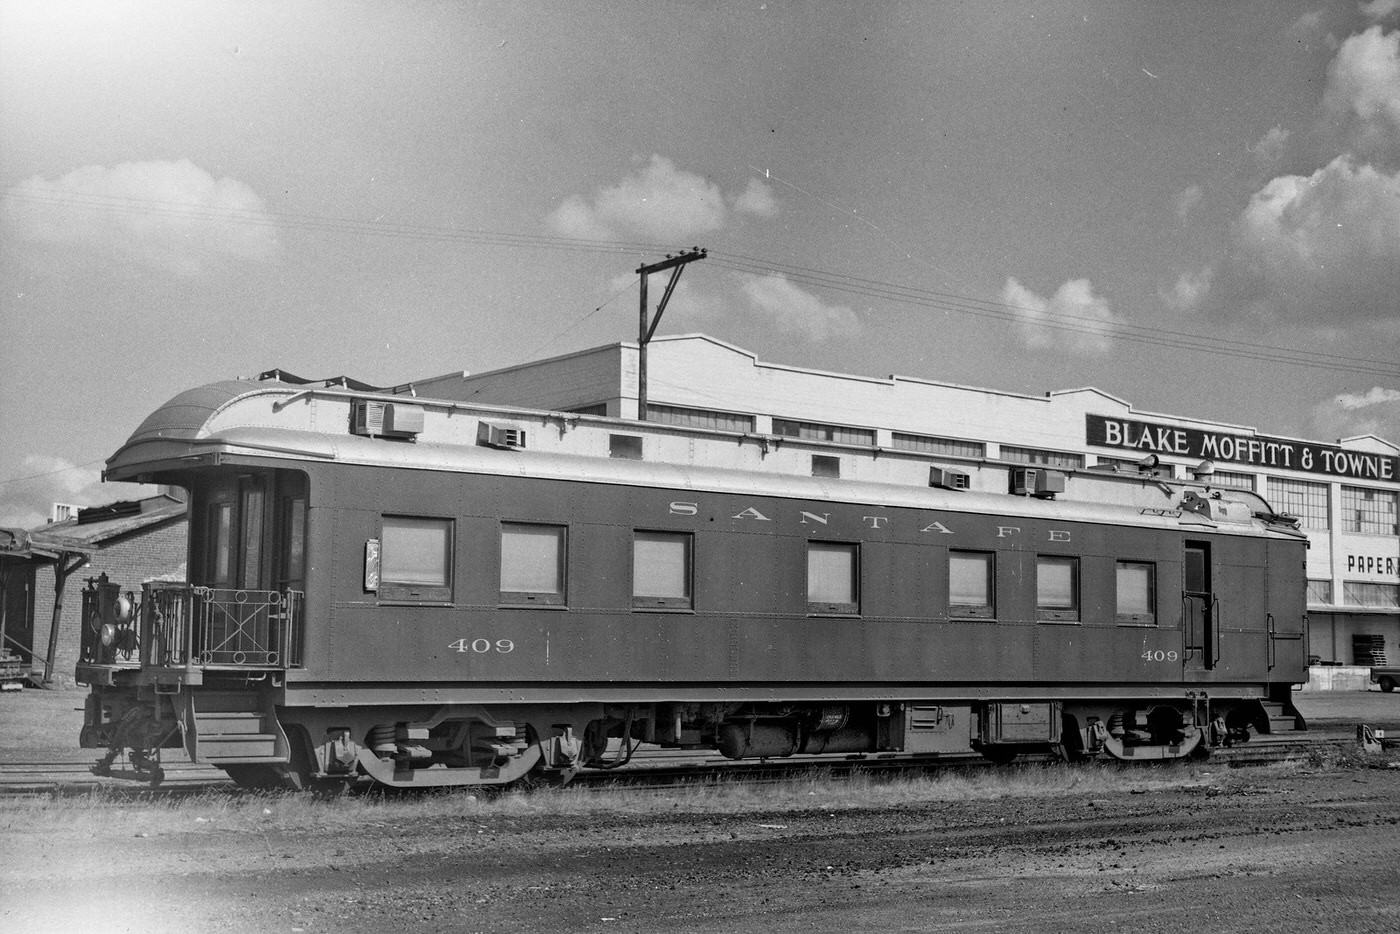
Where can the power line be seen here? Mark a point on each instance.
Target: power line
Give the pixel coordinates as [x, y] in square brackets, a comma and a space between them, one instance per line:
[579, 321]
[947, 302]
[318, 223]
[51, 473]
[1059, 321]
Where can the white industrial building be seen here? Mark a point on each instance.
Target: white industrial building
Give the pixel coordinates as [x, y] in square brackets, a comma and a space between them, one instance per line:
[1344, 494]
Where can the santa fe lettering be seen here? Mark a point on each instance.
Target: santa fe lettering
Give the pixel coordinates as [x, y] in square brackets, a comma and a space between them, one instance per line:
[753, 514]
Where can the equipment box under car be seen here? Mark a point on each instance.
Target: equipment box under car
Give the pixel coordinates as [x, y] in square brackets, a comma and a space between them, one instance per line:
[1021, 723]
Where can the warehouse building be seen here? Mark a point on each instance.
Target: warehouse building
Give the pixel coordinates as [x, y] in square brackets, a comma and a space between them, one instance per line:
[1344, 494]
[43, 572]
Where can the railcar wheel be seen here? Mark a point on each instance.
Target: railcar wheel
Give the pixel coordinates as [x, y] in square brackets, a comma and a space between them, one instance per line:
[1387, 683]
[542, 775]
[1070, 753]
[1240, 725]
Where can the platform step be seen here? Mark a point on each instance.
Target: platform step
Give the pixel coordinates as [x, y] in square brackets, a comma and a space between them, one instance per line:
[227, 722]
[208, 702]
[1279, 720]
[219, 747]
[227, 733]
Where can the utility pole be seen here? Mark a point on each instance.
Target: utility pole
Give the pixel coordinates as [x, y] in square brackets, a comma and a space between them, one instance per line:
[645, 330]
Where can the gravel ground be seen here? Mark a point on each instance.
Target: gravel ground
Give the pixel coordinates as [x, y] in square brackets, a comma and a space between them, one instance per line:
[1282, 850]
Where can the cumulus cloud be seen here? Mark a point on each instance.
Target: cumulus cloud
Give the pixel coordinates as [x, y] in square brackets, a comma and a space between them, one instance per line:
[1374, 412]
[42, 480]
[1362, 100]
[658, 202]
[1074, 319]
[690, 306]
[1377, 10]
[693, 307]
[1270, 148]
[1189, 291]
[1186, 200]
[757, 199]
[172, 216]
[1320, 248]
[1323, 249]
[1374, 396]
[797, 311]
[772, 298]
[1307, 25]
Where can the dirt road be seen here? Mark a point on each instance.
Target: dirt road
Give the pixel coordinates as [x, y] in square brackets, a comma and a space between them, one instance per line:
[1243, 850]
[1179, 850]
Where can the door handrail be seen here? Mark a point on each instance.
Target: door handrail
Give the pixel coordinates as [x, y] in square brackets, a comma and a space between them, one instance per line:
[1215, 628]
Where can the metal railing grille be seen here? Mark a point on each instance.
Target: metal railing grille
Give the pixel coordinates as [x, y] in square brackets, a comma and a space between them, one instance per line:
[218, 626]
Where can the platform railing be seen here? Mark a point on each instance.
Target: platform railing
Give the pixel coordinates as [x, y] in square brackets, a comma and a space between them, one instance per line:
[220, 626]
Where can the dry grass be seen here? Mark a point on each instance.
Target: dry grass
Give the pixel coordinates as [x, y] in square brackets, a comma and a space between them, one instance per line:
[103, 813]
[31, 721]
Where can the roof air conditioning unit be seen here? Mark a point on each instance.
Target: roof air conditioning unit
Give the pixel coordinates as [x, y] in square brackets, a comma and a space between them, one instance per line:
[1049, 482]
[948, 479]
[510, 437]
[386, 419]
[1037, 481]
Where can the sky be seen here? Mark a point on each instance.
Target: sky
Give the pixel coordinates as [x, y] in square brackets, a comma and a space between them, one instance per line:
[1193, 206]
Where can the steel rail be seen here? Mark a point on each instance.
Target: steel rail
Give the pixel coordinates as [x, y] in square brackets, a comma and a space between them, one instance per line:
[662, 770]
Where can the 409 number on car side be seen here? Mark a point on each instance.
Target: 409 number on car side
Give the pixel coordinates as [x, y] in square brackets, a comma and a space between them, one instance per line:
[483, 646]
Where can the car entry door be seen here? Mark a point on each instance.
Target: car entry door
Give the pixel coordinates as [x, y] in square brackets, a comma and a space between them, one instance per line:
[1198, 608]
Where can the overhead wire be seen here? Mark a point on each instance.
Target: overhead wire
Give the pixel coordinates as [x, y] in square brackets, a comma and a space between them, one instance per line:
[560, 333]
[50, 473]
[1061, 321]
[312, 222]
[864, 287]
[948, 302]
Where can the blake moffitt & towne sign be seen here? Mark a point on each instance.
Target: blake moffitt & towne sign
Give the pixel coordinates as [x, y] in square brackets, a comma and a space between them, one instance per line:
[1254, 450]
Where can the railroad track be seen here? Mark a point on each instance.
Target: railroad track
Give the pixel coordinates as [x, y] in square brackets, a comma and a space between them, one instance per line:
[66, 778]
[661, 775]
[652, 769]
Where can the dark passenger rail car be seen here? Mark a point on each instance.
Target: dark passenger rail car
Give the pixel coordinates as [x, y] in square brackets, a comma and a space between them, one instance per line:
[438, 594]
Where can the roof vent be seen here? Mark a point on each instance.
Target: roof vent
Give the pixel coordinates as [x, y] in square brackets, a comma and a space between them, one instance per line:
[386, 419]
[509, 437]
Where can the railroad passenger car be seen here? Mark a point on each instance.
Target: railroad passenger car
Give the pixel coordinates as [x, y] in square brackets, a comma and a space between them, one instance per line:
[434, 593]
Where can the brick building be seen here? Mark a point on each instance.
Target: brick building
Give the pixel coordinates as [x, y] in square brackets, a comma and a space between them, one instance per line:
[130, 542]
